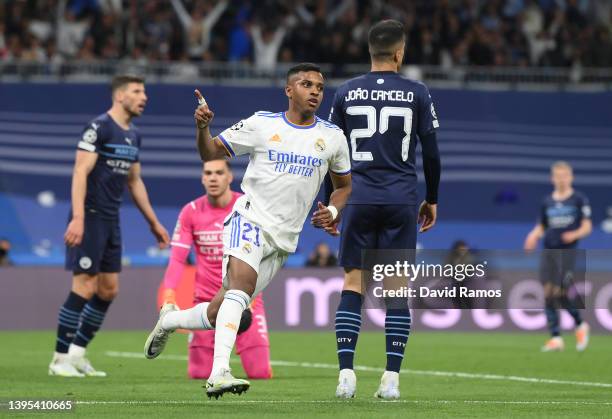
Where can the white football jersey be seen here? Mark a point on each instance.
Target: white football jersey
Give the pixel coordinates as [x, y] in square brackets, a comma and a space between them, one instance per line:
[287, 164]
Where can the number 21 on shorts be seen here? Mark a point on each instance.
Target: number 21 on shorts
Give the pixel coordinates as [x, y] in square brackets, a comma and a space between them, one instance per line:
[243, 231]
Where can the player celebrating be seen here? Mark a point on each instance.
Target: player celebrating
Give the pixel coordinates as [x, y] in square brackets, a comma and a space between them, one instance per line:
[106, 159]
[200, 223]
[290, 153]
[565, 219]
[382, 113]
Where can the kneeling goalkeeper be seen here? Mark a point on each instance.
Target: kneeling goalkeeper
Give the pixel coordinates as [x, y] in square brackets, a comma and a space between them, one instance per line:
[200, 224]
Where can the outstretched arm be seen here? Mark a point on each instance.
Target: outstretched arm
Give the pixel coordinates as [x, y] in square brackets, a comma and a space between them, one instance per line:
[182, 13]
[214, 15]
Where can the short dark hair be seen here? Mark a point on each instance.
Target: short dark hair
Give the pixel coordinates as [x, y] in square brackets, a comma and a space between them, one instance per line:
[123, 79]
[383, 37]
[302, 67]
[227, 163]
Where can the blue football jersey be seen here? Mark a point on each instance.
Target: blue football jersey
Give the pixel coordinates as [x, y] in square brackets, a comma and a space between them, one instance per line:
[382, 113]
[117, 150]
[557, 217]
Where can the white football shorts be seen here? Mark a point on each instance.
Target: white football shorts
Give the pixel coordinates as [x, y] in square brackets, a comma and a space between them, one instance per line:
[247, 241]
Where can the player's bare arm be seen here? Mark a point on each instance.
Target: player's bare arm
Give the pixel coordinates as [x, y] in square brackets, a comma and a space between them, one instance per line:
[531, 241]
[586, 227]
[209, 148]
[328, 219]
[139, 194]
[83, 165]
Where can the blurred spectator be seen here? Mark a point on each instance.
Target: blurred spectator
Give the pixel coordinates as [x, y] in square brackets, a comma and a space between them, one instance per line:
[54, 58]
[33, 50]
[239, 38]
[43, 19]
[267, 42]
[5, 247]
[71, 31]
[322, 257]
[459, 254]
[198, 24]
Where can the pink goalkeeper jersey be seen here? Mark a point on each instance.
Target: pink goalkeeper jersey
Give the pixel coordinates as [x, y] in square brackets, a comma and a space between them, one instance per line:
[201, 225]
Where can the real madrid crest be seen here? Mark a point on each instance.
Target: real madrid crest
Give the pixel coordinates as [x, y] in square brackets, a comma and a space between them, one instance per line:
[247, 248]
[320, 144]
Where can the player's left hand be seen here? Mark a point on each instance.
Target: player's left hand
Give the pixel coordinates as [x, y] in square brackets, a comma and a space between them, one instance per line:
[161, 235]
[427, 216]
[322, 217]
[569, 237]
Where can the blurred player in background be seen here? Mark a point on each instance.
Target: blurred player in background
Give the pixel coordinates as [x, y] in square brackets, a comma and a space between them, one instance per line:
[290, 154]
[200, 224]
[106, 160]
[565, 218]
[382, 113]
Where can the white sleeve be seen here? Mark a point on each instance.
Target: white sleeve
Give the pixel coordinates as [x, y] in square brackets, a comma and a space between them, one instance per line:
[340, 163]
[240, 138]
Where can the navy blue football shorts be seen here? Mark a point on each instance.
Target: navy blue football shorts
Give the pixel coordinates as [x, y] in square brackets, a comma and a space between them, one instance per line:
[558, 266]
[100, 250]
[375, 227]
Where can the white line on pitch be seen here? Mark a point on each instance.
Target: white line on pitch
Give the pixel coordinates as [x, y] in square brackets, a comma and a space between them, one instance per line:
[404, 371]
[224, 402]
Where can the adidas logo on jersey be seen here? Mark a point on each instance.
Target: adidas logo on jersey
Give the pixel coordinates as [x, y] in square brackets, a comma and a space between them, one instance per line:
[275, 138]
[231, 326]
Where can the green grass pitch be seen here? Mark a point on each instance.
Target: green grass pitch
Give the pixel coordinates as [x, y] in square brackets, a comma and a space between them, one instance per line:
[447, 375]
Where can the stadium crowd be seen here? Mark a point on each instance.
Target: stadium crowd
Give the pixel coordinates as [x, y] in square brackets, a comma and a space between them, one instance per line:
[557, 33]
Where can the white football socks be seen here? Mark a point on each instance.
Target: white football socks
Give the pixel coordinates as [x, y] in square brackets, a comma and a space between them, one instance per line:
[228, 321]
[194, 318]
[76, 351]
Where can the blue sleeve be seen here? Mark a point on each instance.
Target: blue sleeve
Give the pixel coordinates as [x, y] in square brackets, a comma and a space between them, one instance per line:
[427, 117]
[431, 166]
[336, 114]
[584, 207]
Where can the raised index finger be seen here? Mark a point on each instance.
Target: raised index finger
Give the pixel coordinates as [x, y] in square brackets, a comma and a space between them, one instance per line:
[199, 97]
